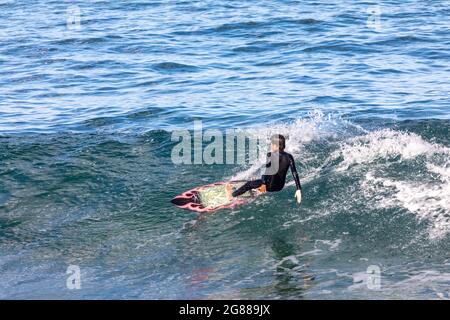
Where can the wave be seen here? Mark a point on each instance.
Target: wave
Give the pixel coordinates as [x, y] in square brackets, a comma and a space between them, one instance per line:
[387, 169]
[422, 187]
[348, 169]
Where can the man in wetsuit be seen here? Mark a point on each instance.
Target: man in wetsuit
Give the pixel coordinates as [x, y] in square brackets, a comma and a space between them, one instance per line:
[274, 178]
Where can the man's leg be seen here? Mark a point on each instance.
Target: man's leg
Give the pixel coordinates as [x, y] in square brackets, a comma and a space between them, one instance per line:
[249, 185]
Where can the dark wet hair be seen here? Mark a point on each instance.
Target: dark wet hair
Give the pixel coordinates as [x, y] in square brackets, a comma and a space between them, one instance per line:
[278, 140]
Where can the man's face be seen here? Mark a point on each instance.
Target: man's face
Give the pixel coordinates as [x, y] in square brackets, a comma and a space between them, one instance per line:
[273, 147]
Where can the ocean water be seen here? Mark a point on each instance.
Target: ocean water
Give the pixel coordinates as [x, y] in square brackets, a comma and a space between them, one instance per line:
[90, 92]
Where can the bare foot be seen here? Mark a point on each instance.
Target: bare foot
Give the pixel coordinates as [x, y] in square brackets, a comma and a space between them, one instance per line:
[229, 191]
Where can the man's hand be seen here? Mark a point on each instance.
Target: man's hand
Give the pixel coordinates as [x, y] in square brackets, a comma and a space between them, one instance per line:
[298, 196]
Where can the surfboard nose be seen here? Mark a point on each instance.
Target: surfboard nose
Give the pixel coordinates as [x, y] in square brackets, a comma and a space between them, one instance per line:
[181, 201]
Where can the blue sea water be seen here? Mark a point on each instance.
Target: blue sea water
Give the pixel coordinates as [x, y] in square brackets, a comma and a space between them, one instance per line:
[361, 89]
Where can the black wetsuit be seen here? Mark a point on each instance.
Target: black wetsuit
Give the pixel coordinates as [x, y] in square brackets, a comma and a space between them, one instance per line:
[273, 182]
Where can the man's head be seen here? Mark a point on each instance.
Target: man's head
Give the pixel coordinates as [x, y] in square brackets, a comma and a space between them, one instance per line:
[277, 142]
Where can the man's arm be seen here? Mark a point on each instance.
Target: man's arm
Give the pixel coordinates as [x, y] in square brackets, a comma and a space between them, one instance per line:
[298, 193]
[294, 172]
[268, 159]
[268, 164]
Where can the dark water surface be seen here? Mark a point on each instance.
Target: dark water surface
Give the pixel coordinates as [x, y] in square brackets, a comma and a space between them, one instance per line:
[86, 174]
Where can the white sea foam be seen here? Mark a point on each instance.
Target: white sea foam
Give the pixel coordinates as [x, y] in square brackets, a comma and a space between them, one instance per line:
[429, 200]
[373, 152]
[383, 145]
[327, 244]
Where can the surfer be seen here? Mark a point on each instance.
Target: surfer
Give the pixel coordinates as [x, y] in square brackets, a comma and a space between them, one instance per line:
[274, 178]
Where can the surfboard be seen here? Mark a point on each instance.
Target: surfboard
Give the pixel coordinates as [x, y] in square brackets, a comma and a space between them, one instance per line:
[213, 197]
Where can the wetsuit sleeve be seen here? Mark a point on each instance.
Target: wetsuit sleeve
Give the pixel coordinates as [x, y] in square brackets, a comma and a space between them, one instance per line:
[267, 165]
[294, 172]
[269, 160]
